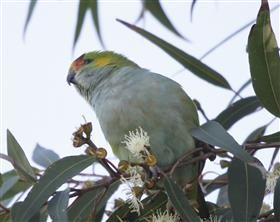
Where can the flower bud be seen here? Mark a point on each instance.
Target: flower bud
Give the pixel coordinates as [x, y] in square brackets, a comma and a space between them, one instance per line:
[151, 160]
[87, 129]
[123, 165]
[101, 153]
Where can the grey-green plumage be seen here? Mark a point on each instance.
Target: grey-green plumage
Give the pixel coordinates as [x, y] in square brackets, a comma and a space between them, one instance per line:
[125, 97]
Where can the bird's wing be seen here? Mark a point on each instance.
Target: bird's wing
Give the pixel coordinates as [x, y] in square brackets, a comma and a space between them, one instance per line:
[139, 98]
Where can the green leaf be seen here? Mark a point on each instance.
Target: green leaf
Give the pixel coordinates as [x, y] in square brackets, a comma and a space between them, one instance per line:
[84, 205]
[224, 214]
[275, 137]
[121, 212]
[55, 175]
[192, 7]
[274, 155]
[81, 208]
[12, 185]
[220, 43]
[31, 8]
[43, 156]
[237, 93]
[7, 185]
[246, 191]
[83, 7]
[1, 180]
[57, 206]
[238, 110]
[5, 216]
[276, 200]
[222, 199]
[256, 134]
[22, 165]
[213, 133]
[154, 7]
[219, 182]
[179, 201]
[40, 216]
[93, 5]
[189, 62]
[264, 61]
[151, 205]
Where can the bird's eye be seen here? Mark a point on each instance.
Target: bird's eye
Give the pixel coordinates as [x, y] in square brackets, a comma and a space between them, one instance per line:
[87, 61]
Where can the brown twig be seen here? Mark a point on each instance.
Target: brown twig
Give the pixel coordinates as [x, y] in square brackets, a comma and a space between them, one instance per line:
[4, 208]
[180, 160]
[257, 146]
[104, 162]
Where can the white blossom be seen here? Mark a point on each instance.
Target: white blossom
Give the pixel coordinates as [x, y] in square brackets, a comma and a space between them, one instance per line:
[213, 218]
[164, 217]
[134, 202]
[135, 177]
[271, 178]
[136, 142]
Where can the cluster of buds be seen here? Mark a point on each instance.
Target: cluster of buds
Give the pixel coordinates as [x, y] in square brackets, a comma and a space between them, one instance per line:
[82, 135]
[99, 153]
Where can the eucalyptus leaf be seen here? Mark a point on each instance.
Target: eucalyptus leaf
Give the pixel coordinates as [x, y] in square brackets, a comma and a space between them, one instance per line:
[230, 36]
[12, 185]
[83, 7]
[192, 7]
[245, 190]
[31, 8]
[22, 165]
[275, 137]
[93, 5]
[264, 61]
[222, 199]
[1, 179]
[242, 87]
[40, 216]
[90, 202]
[55, 175]
[217, 183]
[238, 110]
[151, 205]
[276, 201]
[274, 155]
[179, 201]
[5, 216]
[81, 208]
[57, 206]
[154, 7]
[214, 134]
[7, 185]
[121, 212]
[189, 62]
[43, 156]
[256, 134]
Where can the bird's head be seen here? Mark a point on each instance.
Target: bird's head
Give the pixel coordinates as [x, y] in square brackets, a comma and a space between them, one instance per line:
[93, 66]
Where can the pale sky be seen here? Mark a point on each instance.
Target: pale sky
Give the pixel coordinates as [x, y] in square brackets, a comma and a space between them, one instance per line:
[37, 104]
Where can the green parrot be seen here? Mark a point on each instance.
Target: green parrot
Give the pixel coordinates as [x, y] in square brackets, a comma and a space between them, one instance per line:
[125, 96]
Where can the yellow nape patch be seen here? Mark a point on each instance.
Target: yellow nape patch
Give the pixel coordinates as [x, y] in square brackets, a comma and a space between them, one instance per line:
[102, 61]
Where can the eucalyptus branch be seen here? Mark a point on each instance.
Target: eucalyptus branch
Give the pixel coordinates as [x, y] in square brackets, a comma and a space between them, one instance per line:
[180, 160]
[97, 184]
[258, 146]
[4, 208]
[82, 137]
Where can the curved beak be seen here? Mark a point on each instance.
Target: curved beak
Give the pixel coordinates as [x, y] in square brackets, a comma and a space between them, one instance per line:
[71, 77]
